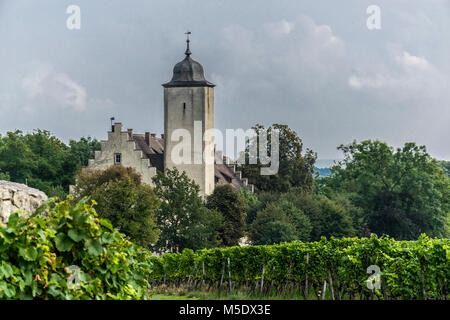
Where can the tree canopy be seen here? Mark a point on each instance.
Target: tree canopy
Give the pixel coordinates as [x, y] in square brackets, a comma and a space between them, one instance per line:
[39, 160]
[183, 219]
[295, 168]
[122, 199]
[84, 149]
[232, 208]
[403, 192]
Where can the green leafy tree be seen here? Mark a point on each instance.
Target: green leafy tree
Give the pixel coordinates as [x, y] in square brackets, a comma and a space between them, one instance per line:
[38, 159]
[4, 176]
[403, 192]
[252, 204]
[272, 226]
[121, 198]
[183, 219]
[295, 168]
[327, 217]
[232, 208]
[84, 149]
[16, 157]
[446, 166]
[298, 219]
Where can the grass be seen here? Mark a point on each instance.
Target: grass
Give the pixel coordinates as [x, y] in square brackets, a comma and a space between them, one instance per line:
[167, 297]
[179, 293]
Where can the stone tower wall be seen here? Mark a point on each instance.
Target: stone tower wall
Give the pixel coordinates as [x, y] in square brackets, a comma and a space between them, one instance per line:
[183, 106]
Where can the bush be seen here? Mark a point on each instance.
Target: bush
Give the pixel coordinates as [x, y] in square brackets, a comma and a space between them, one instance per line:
[272, 226]
[38, 253]
[123, 199]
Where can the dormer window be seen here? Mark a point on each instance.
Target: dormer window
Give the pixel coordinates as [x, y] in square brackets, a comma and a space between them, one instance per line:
[117, 158]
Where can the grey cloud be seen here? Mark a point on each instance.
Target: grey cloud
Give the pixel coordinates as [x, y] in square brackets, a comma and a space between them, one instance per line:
[46, 87]
[311, 65]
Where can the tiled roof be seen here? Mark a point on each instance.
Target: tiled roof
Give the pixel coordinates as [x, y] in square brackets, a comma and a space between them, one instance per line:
[154, 150]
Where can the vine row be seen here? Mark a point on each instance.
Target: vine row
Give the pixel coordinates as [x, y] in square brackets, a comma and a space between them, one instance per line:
[347, 268]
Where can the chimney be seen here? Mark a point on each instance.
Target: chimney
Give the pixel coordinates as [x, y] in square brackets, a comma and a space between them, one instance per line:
[117, 127]
[219, 157]
[147, 138]
[153, 135]
[130, 134]
[162, 135]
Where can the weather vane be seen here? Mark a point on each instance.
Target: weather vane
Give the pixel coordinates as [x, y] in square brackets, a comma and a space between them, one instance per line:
[188, 52]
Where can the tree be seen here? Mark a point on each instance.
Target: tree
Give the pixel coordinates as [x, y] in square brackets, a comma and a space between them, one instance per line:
[298, 219]
[38, 159]
[182, 217]
[232, 208]
[402, 192]
[252, 205]
[295, 169]
[446, 166]
[327, 217]
[121, 198]
[84, 149]
[272, 226]
[4, 176]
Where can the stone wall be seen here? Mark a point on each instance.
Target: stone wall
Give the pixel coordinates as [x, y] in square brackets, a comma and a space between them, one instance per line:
[16, 196]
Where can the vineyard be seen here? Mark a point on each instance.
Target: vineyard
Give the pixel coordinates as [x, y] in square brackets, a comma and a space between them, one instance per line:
[348, 268]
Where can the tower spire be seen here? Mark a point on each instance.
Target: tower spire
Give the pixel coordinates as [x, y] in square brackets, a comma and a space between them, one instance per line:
[188, 51]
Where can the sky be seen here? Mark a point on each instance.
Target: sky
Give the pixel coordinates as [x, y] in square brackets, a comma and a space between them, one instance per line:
[313, 65]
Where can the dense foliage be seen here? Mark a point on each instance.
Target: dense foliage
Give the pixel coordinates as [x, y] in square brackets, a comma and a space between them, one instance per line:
[271, 226]
[408, 269]
[4, 176]
[280, 222]
[40, 255]
[38, 159]
[295, 168]
[183, 219]
[310, 215]
[123, 199]
[446, 166]
[84, 149]
[231, 206]
[402, 192]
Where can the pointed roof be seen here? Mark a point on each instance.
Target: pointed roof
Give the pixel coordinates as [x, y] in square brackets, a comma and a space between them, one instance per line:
[188, 73]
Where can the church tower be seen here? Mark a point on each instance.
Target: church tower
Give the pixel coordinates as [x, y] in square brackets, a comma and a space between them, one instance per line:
[189, 106]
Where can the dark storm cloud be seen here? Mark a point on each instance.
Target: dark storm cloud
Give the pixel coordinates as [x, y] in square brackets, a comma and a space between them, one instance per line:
[313, 65]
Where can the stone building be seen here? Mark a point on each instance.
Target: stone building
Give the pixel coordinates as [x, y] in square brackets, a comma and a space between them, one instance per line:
[188, 102]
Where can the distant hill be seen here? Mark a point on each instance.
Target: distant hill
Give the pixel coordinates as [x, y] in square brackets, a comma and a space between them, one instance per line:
[323, 172]
[323, 166]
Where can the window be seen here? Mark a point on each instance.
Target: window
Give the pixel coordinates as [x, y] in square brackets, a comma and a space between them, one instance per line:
[184, 106]
[117, 158]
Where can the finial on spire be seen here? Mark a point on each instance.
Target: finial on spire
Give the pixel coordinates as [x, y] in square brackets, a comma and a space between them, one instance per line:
[188, 51]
